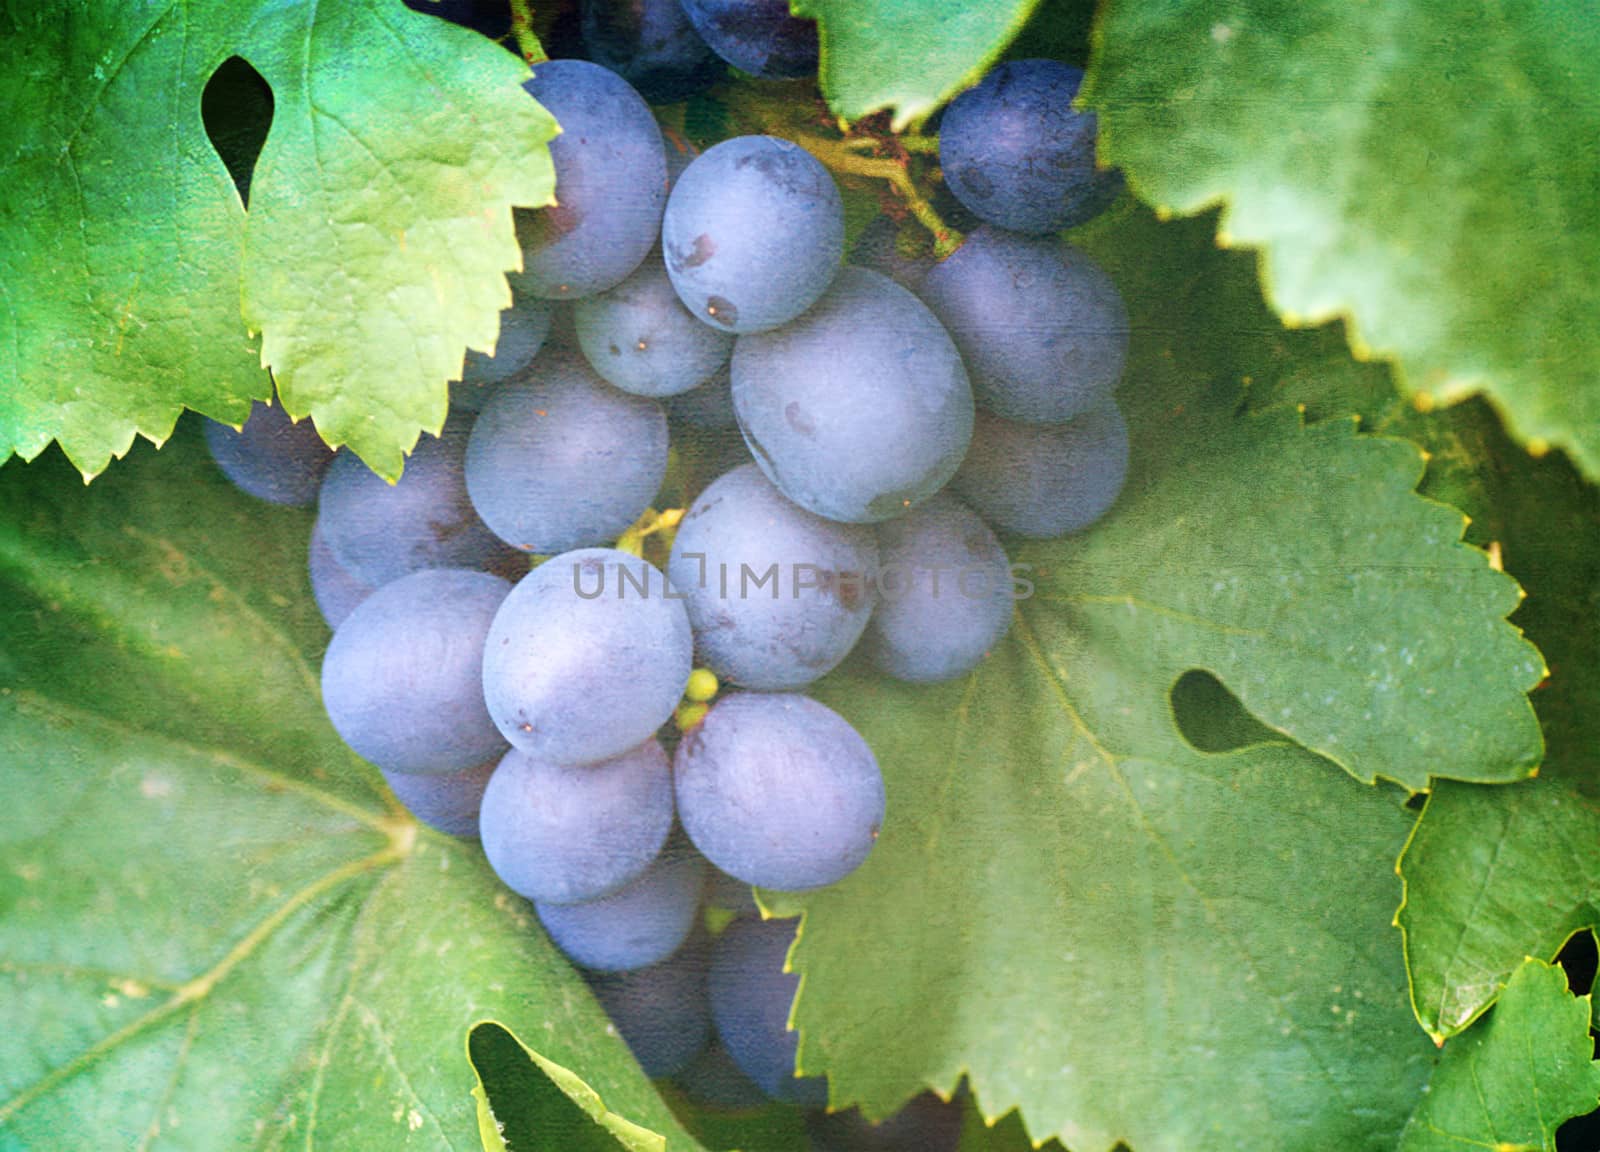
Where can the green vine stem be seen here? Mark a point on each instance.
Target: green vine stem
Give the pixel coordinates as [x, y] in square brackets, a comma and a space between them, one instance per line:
[522, 32]
[845, 156]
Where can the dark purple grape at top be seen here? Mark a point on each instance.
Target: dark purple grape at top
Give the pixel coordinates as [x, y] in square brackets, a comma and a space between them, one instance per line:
[272, 457]
[611, 184]
[652, 45]
[757, 36]
[1018, 156]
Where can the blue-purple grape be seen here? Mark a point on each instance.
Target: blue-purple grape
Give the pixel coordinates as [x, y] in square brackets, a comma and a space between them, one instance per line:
[611, 184]
[652, 45]
[563, 835]
[751, 996]
[271, 457]
[757, 36]
[753, 233]
[559, 459]
[640, 924]
[641, 338]
[587, 657]
[1042, 328]
[1018, 156]
[1045, 480]
[945, 593]
[779, 791]
[380, 531]
[860, 409]
[401, 677]
[447, 803]
[336, 590]
[662, 1011]
[523, 330]
[777, 595]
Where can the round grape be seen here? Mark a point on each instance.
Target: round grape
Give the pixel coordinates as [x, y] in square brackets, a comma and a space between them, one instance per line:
[1042, 329]
[777, 595]
[523, 330]
[779, 791]
[750, 999]
[335, 589]
[449, 802]
[1018, 156]
[651, 45]
[611, 184]
[641, 338]
[561, 460]
[859, 409]
[661, 1011]
[400, 679]
[757, 36]
[587, 657]
[380, 531]
[563, 835]
[640, 924]
[271, 457]
[944, 593]
[1046, 480]
[753, 233]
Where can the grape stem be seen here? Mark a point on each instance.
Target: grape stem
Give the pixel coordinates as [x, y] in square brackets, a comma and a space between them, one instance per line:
[522, 32]
[845, 156]
[652, 523]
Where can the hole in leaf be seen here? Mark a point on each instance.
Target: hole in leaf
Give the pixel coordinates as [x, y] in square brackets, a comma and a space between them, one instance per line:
[1580, 1134]
[1578, 958]
[531, 1110]
[1211, 718]
[236, 108]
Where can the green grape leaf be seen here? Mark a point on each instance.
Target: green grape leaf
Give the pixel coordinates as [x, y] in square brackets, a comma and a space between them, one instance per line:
[1496, 874]
[1067, 898]
[909, 55]
[1427, 170]
[373, 253]
[216, 928]
[1508, 1084]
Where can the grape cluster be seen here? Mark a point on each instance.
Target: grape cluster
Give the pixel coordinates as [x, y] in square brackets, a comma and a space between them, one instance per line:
[612, 697]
